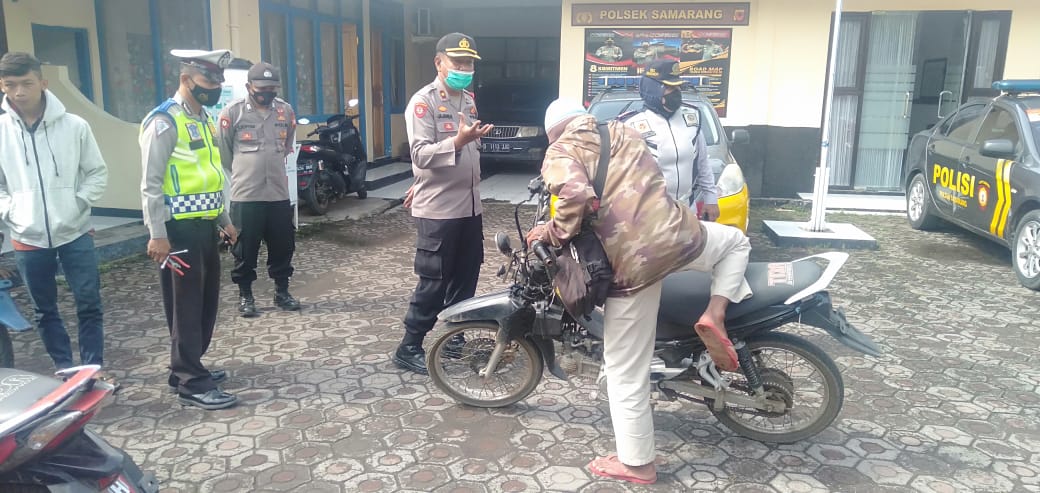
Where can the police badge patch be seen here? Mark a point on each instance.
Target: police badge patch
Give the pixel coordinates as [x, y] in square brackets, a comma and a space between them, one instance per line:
[692, 119]
[193, 131]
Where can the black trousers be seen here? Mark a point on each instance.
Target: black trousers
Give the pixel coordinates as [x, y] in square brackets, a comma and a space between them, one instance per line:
[190, 301]
[448, 254]
[272, 223]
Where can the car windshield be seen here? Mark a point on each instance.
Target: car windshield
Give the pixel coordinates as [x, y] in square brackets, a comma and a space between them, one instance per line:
[610, 108]
[1033, 114]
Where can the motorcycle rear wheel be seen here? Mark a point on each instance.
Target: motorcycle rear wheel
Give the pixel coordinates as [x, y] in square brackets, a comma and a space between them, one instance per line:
[6, 349]
[456, 372]
[319, 194]
[796, 371]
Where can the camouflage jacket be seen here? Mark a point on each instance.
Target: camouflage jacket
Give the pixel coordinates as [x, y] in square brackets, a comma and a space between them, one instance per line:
[645, 232]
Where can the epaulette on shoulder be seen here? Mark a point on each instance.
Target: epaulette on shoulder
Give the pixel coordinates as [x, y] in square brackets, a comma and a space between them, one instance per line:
[628, 114]
[164, 108]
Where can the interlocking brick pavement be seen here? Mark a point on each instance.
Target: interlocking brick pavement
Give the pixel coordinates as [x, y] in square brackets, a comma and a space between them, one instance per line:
[953, 404]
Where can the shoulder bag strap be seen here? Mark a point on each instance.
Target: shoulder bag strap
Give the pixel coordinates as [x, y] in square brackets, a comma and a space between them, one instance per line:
[604, 159]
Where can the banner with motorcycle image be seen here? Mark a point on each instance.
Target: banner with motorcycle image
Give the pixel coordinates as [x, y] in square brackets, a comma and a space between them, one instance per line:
[618, 57]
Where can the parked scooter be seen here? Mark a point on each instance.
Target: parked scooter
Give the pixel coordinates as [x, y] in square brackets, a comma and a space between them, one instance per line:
[10, 320]
[787, 389]
[44, 443]
[333, 166]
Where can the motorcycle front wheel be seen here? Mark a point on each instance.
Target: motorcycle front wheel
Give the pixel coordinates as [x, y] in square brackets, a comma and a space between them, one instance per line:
[462, 352]
[794, 371]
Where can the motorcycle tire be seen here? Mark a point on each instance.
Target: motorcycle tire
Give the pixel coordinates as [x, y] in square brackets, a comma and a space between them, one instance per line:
[6, 349]
[24, 488]
[469, 357]
[318, 196]
[831, 388]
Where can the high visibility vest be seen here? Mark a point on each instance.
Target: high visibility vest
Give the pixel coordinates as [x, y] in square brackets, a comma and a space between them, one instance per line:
[194, 182]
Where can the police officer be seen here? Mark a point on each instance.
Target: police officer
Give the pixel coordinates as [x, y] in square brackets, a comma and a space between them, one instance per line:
[256, 134]
[182, 189]
[443, 133]
[609, 52]
[673, 133]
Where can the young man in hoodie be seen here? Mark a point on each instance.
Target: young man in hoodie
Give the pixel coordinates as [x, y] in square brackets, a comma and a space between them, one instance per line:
[51, 173]
[647, 235]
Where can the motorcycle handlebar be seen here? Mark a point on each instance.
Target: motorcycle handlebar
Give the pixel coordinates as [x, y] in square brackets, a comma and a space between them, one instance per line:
[543, 254]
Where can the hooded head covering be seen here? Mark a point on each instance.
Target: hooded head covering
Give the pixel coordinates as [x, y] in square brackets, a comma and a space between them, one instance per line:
[559, 112]
[658, 76]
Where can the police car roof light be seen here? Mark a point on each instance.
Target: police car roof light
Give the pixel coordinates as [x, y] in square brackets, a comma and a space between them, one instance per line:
[1017, 86]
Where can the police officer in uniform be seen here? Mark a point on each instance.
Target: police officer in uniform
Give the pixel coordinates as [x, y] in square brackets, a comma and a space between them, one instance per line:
[609, 52]
[182, 189]
[443, 133]
[256, 134]
[672, 131]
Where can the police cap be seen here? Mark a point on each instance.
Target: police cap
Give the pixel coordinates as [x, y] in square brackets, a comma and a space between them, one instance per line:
[263, 74]
[665, 71]
[210, 63]
[458, 45]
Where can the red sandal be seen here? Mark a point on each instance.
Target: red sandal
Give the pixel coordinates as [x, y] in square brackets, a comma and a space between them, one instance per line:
[720, 348]
[602, 466]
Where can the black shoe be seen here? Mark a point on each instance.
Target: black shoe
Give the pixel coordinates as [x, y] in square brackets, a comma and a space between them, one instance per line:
[247, 307]
[411, 357]
[216, 375]
[453, 348]
[212, 400]
[285, 301]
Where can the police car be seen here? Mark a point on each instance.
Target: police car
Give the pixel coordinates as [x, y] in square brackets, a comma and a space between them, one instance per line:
[979, 168]
[734, 200]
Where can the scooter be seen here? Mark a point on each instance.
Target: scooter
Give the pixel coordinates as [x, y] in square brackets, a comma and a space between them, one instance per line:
[333, 166]
[496, 346]
[44, 443]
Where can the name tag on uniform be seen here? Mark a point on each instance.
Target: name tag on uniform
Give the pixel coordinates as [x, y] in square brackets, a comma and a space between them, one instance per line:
[444, 116]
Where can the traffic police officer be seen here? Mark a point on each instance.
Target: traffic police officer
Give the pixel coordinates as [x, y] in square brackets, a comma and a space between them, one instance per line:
[443, 133]
[672, 131]
[182, 189]
[256, 134]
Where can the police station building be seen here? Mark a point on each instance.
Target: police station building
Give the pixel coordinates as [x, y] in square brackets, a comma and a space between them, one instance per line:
[763, 63]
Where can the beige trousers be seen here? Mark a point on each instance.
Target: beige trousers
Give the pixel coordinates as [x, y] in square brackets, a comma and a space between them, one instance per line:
[630, 327]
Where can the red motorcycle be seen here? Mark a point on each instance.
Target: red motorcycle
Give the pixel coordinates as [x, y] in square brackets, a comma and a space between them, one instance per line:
[44, 443]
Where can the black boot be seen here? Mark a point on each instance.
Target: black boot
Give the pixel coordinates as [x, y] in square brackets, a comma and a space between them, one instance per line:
[411, 357]
[282, 298]
[246, 303]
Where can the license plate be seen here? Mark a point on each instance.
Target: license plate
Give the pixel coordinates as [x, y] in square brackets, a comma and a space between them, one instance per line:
[496, 147]
[122, 485]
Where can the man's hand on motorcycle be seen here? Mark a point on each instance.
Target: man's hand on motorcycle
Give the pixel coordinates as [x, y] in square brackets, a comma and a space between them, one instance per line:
[538, 233]
[469, 133]
[409, 196]
[158, 249]
[710, 212]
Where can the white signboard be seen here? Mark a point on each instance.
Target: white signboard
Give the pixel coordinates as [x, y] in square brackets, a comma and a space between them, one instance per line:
[294, 189]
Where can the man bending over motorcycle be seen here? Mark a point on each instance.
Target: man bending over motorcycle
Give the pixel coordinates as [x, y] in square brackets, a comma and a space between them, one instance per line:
[646, 235]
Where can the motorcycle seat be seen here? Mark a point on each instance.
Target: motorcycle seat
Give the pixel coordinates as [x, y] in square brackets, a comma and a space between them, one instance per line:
[685, 294]
[19, 390]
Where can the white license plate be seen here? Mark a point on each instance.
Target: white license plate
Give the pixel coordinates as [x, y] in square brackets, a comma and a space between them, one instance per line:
[122, 485]
[496, 147]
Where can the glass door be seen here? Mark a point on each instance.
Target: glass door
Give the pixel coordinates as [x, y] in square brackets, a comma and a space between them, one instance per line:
[888, 90]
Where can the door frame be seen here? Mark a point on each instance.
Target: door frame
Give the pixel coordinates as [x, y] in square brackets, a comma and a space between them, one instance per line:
[861, 75]
[82, 39]
[976, 19]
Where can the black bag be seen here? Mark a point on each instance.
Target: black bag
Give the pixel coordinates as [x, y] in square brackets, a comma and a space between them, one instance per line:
[583, 273]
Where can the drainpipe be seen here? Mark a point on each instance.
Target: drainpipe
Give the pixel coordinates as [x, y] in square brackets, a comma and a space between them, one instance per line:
[233, 27]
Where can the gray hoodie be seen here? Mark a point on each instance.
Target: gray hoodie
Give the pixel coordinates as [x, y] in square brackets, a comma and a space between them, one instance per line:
[49, 178]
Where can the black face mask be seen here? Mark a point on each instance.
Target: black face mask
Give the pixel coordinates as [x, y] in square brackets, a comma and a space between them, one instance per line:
[672, 102]
[206, 97]
[264, 98]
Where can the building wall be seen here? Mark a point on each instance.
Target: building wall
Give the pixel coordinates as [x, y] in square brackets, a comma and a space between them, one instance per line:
[778, 76]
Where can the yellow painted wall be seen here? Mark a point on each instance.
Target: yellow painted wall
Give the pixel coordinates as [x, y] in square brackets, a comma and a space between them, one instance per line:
[779, 62]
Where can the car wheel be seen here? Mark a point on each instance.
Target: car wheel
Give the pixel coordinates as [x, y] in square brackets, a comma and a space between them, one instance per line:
[1026, 250]
[919, 209]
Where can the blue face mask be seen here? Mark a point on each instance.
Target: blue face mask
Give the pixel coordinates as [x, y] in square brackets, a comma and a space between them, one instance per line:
[458, 80]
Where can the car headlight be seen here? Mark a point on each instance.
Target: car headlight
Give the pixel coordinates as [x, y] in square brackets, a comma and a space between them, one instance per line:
[526, 132]
[731, 181]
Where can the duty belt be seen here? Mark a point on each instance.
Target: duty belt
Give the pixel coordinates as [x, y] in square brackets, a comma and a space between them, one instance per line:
[197, 202]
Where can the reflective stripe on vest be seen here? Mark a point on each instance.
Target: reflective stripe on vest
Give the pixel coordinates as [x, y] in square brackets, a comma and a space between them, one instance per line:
[194, 182]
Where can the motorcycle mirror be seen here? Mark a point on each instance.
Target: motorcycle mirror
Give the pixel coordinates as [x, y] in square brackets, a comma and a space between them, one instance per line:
[303, 121]
[502, 242]
[352, 103]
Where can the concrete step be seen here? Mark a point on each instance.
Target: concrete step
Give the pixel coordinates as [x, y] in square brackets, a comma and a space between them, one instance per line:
[387, 174]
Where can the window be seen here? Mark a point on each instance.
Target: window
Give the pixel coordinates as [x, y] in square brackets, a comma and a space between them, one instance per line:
[137, 70]
[518, 58]
[66, 46]
[304, 39]
[999, 124]
[398, 99]
[962, 125]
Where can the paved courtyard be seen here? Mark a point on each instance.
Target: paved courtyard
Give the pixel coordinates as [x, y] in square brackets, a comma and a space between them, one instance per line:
[953, 405]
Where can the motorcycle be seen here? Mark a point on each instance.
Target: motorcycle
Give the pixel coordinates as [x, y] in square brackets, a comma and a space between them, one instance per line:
[44, 444]
[333, 166]
[10, 320]
[496, 346]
